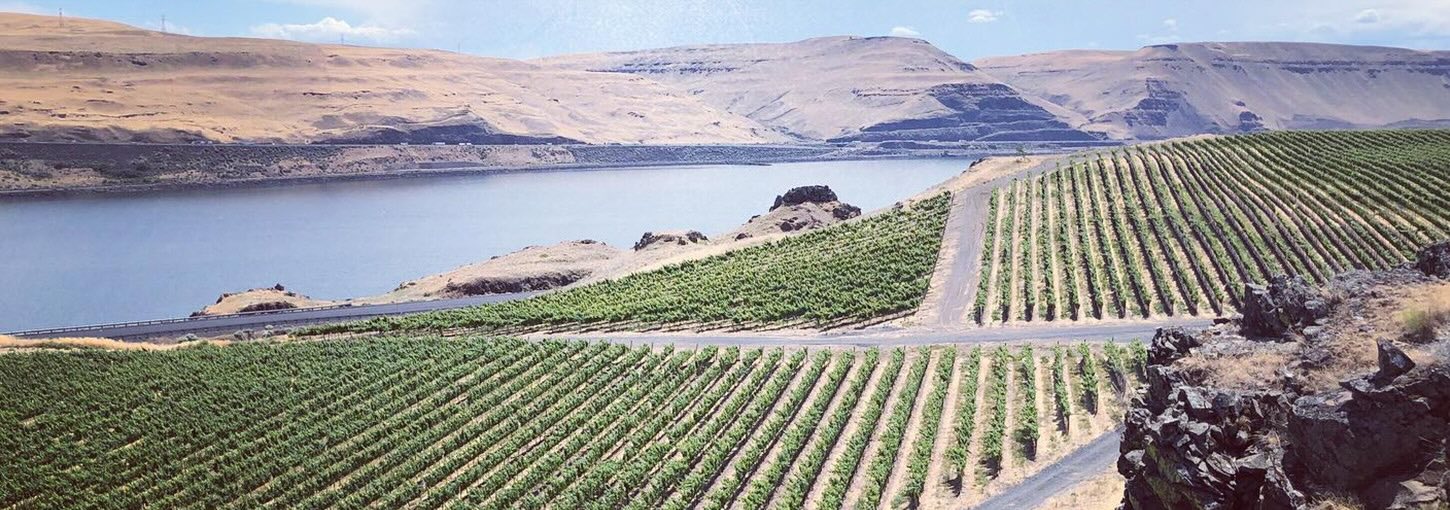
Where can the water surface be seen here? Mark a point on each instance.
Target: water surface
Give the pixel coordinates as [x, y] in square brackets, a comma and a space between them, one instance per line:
[109, 258]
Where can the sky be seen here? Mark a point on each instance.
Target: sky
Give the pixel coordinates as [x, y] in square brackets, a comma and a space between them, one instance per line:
[969, 29]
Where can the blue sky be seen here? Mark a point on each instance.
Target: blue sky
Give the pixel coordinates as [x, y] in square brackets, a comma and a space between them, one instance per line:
[966, 28]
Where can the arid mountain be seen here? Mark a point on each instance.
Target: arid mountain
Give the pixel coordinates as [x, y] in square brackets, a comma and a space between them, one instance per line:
[1183, 89]
[102, 81]
[846, 88]
[96, 80]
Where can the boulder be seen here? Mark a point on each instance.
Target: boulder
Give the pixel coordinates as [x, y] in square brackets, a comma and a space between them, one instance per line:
[800, 195]
[1393, 362]
[1434, 260]
[1285, 304]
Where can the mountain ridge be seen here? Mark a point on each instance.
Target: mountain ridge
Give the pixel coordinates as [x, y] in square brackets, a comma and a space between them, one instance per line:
[91, 80]
[1169, 90]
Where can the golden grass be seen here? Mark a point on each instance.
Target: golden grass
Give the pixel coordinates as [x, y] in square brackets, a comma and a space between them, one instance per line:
[1101, 492]
[1423, 317]
[1250, 370]
[10, 342]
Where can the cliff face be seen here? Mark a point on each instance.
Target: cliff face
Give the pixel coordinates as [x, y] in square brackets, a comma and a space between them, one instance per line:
[1309, 407]
[102, 81]
[1183, 89]
[846, 88]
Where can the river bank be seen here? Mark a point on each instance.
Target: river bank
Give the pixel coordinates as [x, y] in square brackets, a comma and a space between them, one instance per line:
[51, 169]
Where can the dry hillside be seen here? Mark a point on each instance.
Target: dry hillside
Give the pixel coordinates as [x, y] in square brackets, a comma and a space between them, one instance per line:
[1183, 89]
[97, 80]
[846, 88]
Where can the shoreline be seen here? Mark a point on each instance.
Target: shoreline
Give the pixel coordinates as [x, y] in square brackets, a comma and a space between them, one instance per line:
[826, 153]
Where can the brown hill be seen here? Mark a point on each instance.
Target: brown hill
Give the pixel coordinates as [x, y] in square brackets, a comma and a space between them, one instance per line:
[1183, 89]
[846, 88]
[97, 80]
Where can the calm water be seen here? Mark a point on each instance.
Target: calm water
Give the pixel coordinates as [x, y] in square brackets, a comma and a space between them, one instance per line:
[84, 260]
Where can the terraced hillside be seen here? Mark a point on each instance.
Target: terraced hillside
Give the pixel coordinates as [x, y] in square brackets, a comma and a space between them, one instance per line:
[856, 272]
[1177, 228]
[498, 422]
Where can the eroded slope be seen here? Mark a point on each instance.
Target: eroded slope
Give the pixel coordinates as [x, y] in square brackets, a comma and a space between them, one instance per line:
[1182, 89]
[96, 80]
[846, 88]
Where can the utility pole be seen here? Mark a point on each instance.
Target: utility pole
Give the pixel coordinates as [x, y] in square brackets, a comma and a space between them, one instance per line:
[163, 23]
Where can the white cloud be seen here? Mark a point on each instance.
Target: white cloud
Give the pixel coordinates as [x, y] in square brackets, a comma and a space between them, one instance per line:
[330, 29]
[1171, 24]
[899, 31]
[983, 16]
[383, 12]
[170, 28]
[23, 7]
[1397, 20]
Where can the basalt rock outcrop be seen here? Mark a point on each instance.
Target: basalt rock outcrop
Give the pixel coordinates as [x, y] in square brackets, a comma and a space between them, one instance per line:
[1378, 439]
[1434, 260]
[802, 194]
[666, 238]
[816, 194]
[1287, 302]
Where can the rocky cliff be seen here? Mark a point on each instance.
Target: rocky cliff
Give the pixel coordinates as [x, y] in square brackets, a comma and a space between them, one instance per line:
[1174, 90]
[846, 88]
[1313, 397]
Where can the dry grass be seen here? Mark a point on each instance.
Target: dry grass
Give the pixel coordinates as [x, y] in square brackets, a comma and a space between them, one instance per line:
[10, 342]
[1246, 371]
[1336, 502]
[1101, 492]
[1426, 315]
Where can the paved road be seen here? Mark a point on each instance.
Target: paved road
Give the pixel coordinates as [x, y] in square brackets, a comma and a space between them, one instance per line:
[259, 320]
[1036, 333]
[966, 230]
[1077, 467]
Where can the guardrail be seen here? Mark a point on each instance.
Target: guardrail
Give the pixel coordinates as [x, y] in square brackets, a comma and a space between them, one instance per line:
[200, 318]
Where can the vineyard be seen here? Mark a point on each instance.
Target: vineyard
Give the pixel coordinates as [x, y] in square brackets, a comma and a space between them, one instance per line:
[1177, 228]
[844, 275]
[502, 423]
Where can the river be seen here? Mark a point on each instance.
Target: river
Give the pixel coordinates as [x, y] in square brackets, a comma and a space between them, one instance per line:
[87, 259]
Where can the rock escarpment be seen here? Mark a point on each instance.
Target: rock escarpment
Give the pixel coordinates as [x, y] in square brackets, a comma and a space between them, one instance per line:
[1171, 90]
[1208, 432]
[879, 88]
